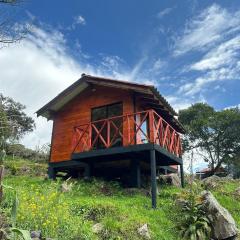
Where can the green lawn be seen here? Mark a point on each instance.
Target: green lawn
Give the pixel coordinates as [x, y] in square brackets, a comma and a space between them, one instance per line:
[71, 215]
[225, 196]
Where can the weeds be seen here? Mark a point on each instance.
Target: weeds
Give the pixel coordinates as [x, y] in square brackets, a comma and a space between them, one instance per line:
[192, 221]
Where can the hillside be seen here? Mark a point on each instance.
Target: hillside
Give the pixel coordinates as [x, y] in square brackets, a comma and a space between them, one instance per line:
[71, 214]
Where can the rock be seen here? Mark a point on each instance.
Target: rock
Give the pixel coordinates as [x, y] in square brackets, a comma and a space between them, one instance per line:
[181, 202]
[66, 187]
[134, 191]
[237, 192]
[25, 169]
[170, 179]
[97, 228]
[222, 222]
[211, 182]
[144, 232]
[106, 190]
[35, 235]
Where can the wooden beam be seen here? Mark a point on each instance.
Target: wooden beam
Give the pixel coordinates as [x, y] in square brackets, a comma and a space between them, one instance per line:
[182, 175]
[148, 99]
[153, 178]
[51, 173]
[135, 173]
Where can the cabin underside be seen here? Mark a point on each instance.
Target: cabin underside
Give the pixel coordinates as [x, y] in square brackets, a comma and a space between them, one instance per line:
[131, 165]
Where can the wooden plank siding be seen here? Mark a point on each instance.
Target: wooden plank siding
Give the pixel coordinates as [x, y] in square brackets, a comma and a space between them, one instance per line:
[78, 111]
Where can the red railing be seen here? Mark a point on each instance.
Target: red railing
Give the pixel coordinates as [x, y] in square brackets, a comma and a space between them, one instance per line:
[125, 130]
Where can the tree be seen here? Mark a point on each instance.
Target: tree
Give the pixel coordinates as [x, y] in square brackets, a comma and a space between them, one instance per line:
[214, 134]
[10, 32]
[16, 120]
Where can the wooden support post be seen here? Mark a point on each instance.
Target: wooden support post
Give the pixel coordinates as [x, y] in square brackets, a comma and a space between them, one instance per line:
[135, 173]
[87, 171]
[151, 126]
[153, 178]
[182, 175]
[52, 173]
[1, 179]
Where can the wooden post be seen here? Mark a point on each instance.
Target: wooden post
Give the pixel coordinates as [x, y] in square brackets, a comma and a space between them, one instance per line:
[135, 173]
[153, 178]
[151, 126]
[182, 175]
[87, 171]
[1, 178]
[51, 173]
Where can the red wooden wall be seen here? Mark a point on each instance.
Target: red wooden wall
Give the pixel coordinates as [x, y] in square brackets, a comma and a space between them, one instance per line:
[78, 112]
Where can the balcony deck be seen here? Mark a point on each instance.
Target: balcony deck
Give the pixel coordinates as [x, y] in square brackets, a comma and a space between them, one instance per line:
[129, 130]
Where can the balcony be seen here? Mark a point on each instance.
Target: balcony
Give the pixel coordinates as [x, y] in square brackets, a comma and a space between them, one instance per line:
[127, 130]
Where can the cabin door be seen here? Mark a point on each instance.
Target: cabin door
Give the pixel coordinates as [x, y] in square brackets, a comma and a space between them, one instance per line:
[99, 116]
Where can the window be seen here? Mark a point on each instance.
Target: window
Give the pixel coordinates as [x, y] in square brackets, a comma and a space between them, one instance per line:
[104, 112]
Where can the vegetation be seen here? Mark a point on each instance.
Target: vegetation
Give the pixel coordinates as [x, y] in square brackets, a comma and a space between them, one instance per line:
[10, 32]
[14, 121]
[71, 215]
[213, 134]
[193, 222]
[39, 154]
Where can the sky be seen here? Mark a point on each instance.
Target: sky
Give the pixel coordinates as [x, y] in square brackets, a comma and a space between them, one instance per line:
[188, 49]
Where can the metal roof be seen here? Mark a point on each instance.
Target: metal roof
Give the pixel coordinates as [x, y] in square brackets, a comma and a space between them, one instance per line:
[87, 80]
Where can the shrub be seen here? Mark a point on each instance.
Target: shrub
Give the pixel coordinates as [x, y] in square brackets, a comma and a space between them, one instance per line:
[192, 221]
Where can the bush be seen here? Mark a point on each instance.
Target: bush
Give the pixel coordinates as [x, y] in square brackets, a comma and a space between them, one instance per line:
[40, 154]
[47, 210]
[192, 221]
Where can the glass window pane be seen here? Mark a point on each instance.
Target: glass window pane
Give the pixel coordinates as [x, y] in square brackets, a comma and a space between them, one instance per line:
[99, 113]
[115, 110]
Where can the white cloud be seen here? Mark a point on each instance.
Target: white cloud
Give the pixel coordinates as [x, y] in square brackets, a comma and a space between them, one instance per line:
[77, 20]
[178, 103]
[233, 106]
[80, 20]
[158, 65]
[216, 31]
[40, 66]
[200, 83]
[206, 29]
[164, 12]
[227, 53]
[36, 70]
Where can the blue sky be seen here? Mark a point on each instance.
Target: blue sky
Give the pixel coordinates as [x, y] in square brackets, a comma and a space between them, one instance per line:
[189, 49]
[166, 42]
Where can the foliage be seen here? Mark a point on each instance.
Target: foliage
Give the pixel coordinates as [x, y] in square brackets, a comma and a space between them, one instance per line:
[40, 154]
[214, 133]
[193, 223]
[18, 121]
[71, 215]
[226, 195]
[4, 126]
[14, 231]
[10, 31]
[18, 166]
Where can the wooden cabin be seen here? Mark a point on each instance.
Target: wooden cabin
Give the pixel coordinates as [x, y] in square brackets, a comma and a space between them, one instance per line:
[114, 130]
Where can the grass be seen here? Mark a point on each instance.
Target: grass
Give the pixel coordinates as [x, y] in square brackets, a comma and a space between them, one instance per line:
[225, 194]
[19, 166]
[71, 215]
